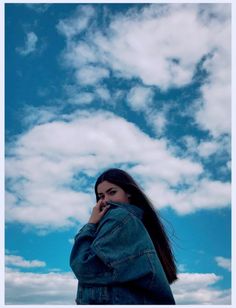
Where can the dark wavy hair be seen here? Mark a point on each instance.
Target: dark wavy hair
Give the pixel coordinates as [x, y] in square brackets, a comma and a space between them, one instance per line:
[151, 219]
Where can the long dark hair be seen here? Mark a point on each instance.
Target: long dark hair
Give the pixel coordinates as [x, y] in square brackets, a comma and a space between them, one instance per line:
[151, 220]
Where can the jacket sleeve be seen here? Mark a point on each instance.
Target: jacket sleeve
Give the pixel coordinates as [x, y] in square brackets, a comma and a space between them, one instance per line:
[83, 241]
[83, 260]
[118, 250]
[125, 246]
[119, 245]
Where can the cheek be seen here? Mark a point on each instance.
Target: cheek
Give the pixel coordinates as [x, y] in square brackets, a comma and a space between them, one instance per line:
[120, 197]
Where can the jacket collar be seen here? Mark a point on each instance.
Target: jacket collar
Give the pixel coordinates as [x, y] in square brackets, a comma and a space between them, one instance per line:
[134, 209]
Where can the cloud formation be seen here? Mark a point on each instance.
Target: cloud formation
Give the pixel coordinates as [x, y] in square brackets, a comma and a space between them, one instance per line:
[224, 263]
[39, 289]
[39, 7]
[30, 44]
[18, 261]
[91, 75]
[139, 44]
[196, 289]
[49, 170]
[139, 98]
[77, 23]
[156, 105]
[42, 289]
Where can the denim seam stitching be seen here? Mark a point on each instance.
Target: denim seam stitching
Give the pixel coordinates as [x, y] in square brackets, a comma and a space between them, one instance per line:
[131, 257]
[152, 268]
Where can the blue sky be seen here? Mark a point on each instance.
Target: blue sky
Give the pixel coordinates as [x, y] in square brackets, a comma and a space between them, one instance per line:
[136, 86]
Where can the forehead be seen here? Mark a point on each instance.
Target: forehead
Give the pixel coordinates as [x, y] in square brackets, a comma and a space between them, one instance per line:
[104, 186]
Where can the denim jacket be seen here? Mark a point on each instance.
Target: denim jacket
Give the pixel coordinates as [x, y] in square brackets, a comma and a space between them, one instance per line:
[116, 263]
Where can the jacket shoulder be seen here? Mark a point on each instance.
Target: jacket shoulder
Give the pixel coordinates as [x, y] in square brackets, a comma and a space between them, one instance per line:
[115, 214]
[117, 217]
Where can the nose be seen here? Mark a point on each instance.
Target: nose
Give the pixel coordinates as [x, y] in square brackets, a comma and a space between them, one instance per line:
[106, 199]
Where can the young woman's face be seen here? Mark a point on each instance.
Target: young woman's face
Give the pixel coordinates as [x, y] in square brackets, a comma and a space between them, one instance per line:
[111, 192]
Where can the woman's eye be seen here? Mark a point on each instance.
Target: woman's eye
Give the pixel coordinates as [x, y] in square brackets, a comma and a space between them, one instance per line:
[112, 192]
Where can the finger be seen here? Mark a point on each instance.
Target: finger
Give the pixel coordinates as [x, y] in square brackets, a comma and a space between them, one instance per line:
[102, 205]
[100, 201]
[103, 211]
[98, 204]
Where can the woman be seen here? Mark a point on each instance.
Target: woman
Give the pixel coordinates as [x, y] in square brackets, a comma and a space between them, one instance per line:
[122, 255]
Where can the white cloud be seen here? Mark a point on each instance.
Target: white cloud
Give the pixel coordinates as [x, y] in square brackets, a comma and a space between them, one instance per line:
[39, 7]
[140, 98]
[162, 56]
[223, 262]
[76, 96]
[78, 54]
[196, 289]
[78, 22]
[47, 207]
[18, 261]
[39, 289]
[157, 120]
[36, 115]
[199, 194]
[90, 75]
[30, 44]
[60, 288]
[49, 170]
[220, 13]
[215, 112]
[139, 44]
[82, 98]
[206, 149]
[190, 143]
[103, 93]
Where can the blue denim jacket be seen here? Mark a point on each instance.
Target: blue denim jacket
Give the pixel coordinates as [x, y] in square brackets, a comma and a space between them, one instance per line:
[116, 263]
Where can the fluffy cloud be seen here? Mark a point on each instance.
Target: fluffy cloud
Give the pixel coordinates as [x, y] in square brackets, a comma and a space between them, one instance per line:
[82, 98]
[196, 288]
[208, 148]
[39, 289]
[141, 45]
[18, 261]
[157, 120]
[60, 288]
[139, 98]
[51, 168]
[224, 263]
[191, 195]
[205, 149]
[214, 113]
[77, 23]
[103, 93]
[152, 45]
[30, 44]
[75, 96]
[90, 75]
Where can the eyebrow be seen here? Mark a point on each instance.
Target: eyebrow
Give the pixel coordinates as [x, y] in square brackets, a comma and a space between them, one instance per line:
[106, 191]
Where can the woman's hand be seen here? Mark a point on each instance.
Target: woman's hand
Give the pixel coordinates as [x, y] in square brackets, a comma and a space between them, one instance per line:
[98, 212]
